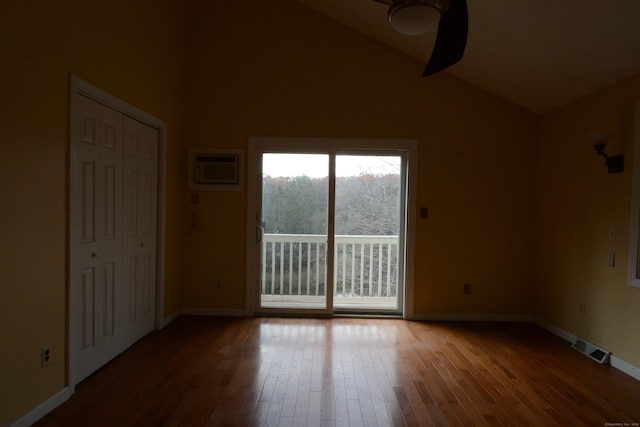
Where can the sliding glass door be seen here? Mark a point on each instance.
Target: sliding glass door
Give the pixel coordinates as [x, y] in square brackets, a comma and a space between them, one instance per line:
[330, 225]
[369, 206]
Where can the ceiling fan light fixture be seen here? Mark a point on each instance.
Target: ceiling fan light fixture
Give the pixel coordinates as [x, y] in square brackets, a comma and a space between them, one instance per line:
[414, 17]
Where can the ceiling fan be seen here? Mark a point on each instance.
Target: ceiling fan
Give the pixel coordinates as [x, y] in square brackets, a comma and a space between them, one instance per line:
[414, 17]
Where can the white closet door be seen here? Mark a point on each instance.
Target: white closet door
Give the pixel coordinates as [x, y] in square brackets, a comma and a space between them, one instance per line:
[95, 234]
[113, 234]
[140, 221]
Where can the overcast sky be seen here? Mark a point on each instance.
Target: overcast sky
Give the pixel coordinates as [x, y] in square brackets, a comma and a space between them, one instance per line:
[317, 165]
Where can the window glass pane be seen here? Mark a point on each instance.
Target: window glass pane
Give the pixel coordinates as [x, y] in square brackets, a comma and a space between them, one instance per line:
[294, 221]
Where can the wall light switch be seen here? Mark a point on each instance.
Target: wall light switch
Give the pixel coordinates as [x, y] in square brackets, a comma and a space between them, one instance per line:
[611, 259]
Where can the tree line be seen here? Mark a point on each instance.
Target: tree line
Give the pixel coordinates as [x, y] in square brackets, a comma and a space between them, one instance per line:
[365, 205]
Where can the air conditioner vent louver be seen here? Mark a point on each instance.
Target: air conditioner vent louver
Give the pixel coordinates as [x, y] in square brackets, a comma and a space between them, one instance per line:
[221, 169]
[215, 169]
[591, 350]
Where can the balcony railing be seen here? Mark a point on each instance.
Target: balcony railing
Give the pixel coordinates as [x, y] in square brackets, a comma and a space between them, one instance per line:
[366, 267]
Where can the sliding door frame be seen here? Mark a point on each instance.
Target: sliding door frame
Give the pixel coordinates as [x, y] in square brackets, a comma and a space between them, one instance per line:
[331, 146]
[402, 228]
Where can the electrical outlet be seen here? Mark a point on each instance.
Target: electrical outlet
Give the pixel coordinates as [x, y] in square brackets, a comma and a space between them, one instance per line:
[466, 288]
[45, 355]
[611, 259]
[582, 309]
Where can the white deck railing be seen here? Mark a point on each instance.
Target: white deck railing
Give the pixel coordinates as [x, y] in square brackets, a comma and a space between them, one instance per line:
[295, 264]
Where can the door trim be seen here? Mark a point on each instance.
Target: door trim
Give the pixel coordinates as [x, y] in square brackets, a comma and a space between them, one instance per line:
[80, 87]
[254, 167]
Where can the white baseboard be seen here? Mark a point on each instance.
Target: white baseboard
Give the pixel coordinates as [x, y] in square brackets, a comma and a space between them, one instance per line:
[472, 317]
[212, 312]
[616, 362]
[567, 336]
[44, 408]
[625, 367]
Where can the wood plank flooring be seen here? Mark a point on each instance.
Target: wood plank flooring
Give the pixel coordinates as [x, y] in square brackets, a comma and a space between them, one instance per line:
[203, 371]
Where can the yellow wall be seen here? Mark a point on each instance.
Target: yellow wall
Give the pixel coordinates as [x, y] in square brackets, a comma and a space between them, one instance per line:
[278, 69]
[577, 203]
[131, 49]
[519, 205]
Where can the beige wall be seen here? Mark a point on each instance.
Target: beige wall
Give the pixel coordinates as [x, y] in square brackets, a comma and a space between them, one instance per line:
[519, 205]
[270, 70]
[577, 203]
[131, 49]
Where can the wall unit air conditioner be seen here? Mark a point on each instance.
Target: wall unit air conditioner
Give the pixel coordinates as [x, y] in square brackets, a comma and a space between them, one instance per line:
[216, 169]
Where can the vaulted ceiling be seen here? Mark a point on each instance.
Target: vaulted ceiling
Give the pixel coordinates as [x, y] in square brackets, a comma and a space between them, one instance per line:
[540, 54]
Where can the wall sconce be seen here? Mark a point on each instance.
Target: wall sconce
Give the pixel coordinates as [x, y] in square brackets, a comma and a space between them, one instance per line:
[614, 164]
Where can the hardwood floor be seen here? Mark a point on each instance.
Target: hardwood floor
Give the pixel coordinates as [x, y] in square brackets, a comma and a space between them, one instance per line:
[202, 371]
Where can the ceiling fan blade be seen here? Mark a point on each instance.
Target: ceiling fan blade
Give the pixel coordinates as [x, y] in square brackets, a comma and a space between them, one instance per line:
[451, 39]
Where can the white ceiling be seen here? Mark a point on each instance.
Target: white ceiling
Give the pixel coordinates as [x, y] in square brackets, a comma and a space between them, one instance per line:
[540, 54]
